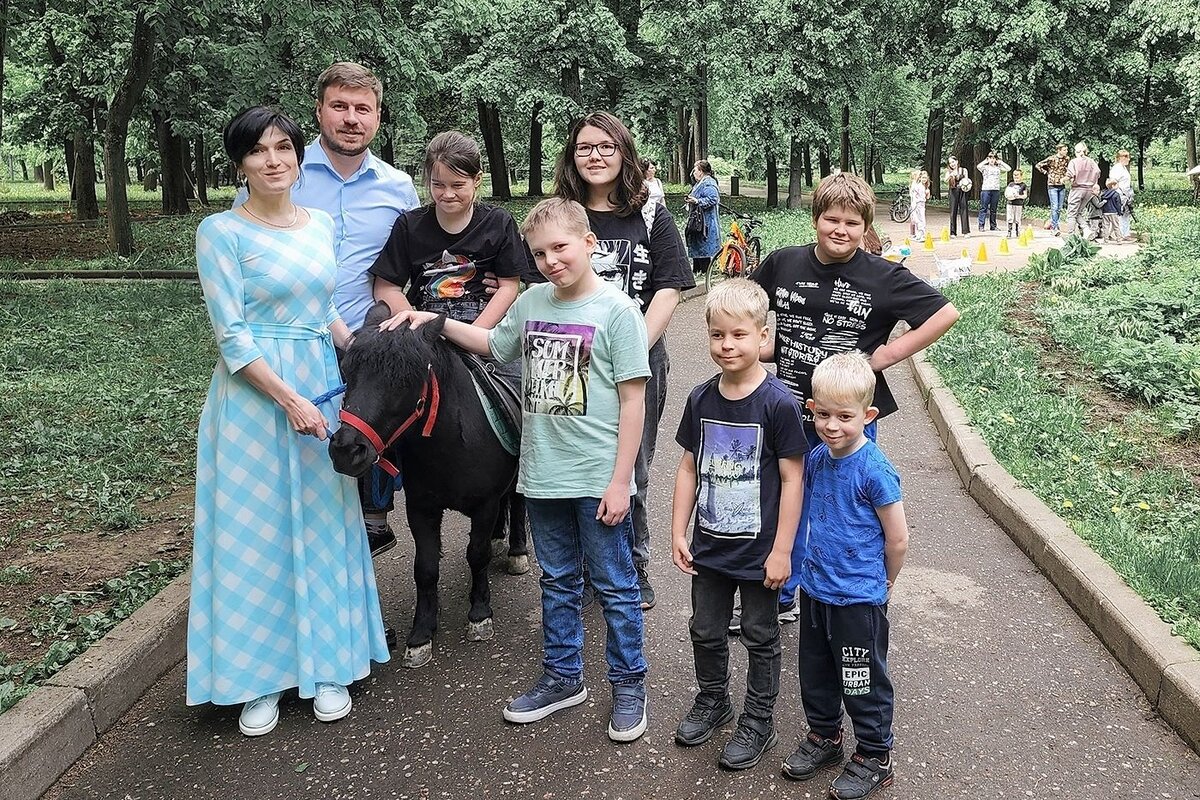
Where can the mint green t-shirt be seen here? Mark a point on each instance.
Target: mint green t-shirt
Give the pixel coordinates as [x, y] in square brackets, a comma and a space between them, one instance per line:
[573, 355]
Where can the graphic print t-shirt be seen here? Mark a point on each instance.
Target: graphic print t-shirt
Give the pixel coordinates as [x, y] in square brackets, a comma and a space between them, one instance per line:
[637, 262]
[574, 353]
[822, 309]
[442, 269]
[737, 445]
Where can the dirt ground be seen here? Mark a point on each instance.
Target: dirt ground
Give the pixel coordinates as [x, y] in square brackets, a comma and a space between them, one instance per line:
[54, 235]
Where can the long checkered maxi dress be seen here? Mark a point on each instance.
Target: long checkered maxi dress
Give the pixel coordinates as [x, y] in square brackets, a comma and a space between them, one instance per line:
[283, 592]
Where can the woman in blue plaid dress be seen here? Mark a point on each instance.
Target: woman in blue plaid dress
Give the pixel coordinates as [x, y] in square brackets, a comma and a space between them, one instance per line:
[283, 593]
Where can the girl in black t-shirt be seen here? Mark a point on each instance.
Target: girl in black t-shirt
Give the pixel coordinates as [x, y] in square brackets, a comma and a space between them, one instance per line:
[441, 251]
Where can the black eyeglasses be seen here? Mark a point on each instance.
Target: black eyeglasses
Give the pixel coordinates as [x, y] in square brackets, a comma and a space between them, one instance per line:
[605, 149]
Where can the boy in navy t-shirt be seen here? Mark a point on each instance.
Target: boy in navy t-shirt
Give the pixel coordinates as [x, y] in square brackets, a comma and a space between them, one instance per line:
[741, 472]
[854, 539]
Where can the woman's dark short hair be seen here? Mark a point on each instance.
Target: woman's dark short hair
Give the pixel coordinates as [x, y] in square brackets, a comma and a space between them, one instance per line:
[244, 131]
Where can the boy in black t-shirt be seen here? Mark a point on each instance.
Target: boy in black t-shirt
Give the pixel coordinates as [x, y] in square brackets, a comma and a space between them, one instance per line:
[832, 297]
[741, 472]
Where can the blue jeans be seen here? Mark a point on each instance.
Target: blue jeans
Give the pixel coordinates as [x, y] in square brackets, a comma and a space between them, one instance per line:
[565, 532]
[988, 198]
[1056, 201]
[788, 593]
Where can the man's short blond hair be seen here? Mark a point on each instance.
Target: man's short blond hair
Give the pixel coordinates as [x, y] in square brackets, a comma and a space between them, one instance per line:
[847, 190]
[566, 214]
[844, 378]
[737, 298]
[349, 74]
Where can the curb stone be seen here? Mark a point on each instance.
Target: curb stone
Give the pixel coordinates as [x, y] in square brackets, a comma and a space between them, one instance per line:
[1165, 667]
[44, 734]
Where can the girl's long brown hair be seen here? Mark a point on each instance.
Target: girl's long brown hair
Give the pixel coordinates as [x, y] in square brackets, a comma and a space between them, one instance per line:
[630, 193]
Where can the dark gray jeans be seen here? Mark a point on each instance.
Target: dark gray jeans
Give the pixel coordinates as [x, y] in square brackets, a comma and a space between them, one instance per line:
[656, 400]
[712, 604]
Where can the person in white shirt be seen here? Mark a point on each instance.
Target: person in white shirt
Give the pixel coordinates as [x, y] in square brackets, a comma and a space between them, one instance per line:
[992, 169]
[1119, 172]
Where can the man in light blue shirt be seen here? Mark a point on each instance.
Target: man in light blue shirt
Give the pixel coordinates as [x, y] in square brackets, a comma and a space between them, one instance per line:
[364, 195]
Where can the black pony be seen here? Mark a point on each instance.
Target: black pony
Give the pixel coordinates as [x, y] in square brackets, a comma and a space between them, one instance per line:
[415, 382]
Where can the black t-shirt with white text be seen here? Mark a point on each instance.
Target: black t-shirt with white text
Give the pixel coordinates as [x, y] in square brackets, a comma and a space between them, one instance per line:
[737, 445]
[637, 261]
[822, 309]
[443, 269]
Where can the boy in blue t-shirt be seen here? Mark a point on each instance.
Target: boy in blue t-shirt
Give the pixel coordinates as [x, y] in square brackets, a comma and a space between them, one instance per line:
[741, 471]
[584, 359]
[855, 539]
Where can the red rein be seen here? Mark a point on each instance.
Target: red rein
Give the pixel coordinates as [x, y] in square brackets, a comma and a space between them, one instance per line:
[430, 393]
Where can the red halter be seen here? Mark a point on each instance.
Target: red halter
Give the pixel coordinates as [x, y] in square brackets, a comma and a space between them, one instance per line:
[430, 392]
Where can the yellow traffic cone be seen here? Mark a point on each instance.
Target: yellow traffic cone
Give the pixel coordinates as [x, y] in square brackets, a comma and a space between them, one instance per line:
[945, 237]
[1004, 251]
[928, 240]
[1028, 236]
[983, 256]
[965, 253]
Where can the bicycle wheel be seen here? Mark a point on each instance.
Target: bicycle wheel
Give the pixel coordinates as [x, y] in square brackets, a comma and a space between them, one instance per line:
[753, 256]
[901, 210]
[729, 263]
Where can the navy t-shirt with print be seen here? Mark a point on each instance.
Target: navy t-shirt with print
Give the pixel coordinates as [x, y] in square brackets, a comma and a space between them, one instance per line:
[737, 445]
[822, 309]
[442, 269]
[637, 261]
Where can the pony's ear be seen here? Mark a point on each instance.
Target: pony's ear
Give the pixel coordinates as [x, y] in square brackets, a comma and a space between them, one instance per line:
[432, 330]
[378, 313]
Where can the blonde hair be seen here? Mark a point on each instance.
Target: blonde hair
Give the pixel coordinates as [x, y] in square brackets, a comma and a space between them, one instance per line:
[924, 179]
[844, 378]
[847, 190]
[737, 298]
[567, 214]
[1081, 149]
[351, 75]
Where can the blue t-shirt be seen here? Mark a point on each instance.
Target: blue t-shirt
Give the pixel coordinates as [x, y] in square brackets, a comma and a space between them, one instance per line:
[841, 560]
[737, 445]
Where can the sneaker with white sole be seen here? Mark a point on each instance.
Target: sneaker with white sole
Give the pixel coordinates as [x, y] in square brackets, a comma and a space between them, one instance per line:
[332, 702]
[260, 715]
[628, 721]
[548, 695]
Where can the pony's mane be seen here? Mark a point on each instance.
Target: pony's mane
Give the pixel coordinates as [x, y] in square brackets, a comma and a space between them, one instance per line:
[397, 358]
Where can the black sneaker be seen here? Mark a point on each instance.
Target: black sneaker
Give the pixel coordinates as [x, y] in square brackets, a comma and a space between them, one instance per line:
[628, 720]
[862, 777]
[380, 538]
[813, 753]
[644, 586]
[746, 747]
[589, 593]
[548, 695]
[702, 721]
[789, 612]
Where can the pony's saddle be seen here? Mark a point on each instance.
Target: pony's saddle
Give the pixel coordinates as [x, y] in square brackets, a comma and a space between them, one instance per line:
[499, 390]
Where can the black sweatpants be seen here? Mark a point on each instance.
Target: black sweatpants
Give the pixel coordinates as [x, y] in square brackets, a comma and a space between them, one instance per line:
[843, 661]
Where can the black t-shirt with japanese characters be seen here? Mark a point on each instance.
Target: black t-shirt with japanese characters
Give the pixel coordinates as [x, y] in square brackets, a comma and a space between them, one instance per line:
[445, 270]
[822, 309]
[637, 261]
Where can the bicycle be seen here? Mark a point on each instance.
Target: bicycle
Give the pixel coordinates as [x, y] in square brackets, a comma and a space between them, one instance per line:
[901, 206]
[741, 253]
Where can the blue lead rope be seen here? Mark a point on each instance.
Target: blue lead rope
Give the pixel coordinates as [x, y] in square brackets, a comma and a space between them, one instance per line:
[332, 393]
[383, 486]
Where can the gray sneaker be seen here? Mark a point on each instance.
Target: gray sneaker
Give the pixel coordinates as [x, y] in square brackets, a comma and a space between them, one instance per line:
[862, 777]
[548, 695]
[628, 721]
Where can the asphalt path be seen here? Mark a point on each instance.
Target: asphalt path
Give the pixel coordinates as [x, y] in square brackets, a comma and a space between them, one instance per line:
[1002, 692]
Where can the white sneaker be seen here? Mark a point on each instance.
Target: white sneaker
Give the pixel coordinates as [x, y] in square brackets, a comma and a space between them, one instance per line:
[332, 702]
[260, 715]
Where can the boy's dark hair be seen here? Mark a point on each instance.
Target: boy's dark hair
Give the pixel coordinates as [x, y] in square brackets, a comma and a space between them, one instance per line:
[847, 190]
[457, 151]
[243, 132]
[630, 193]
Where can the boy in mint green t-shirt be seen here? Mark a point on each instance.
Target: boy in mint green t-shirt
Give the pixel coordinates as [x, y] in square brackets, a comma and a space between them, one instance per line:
[583, 348]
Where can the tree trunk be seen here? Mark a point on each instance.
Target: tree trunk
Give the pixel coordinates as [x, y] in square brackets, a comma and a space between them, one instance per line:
[24, 170]
[116, 132]
[3, 49]
[535, 150]
[1038, 183]
[37, 172]
[174, 191]
[795, 165]
[1190, 141]
[867, 162]
[493, 142]
[1143, 143]
[701, 120]
[878, 168]
[1105, 166]
[140, 166]
[772, 180]
[201, 170]
[934, 134]
[683, 131]
[808, 171]
[83, 190]
[847, 157]
[185, 158]
[69, 161]
[48, 175]
[824, 165]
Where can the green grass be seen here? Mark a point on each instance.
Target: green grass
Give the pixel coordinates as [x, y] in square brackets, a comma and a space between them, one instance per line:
[1104, 473]
[15, 192]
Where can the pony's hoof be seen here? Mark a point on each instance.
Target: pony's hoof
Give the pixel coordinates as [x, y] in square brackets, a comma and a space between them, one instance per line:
[418, 656]
[480, 631]
[499, 548]
[518, 565]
